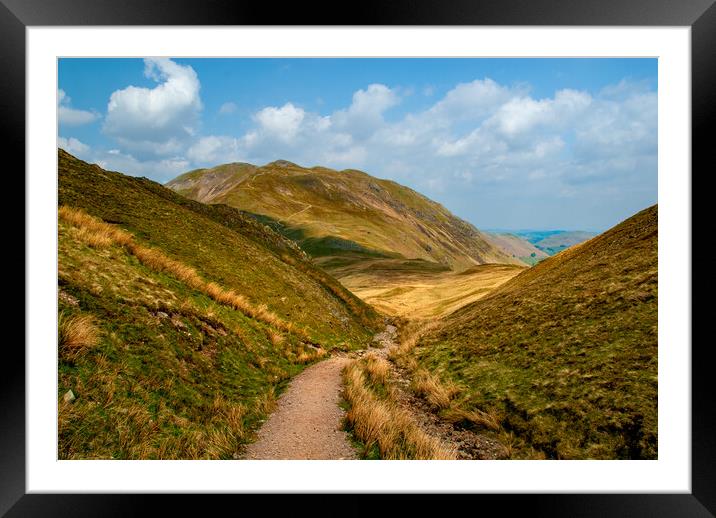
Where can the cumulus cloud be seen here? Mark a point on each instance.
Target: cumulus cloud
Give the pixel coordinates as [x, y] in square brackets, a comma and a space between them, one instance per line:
[523, 114]
[471, 101]
[156, 121]
[365, 114]
[283, 122]
[481, 133]
[69, 116]
[480, 137]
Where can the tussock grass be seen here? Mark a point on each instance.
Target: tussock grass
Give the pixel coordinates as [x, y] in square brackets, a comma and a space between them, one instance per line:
[97, 233]
[94, 238]
[437, 393]
[380, 423]
[158, 261]
[310, 356]
[94, 231]
[377, 368]
[275, 338]
[76, 334]
[489, 419]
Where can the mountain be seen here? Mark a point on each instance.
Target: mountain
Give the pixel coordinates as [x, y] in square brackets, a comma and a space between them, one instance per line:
[517, 247]
[550, 241]
[344, 213]
[179, 322]
[564, 355]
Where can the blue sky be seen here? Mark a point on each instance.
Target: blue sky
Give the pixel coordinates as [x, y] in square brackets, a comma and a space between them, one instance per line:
[503, 143]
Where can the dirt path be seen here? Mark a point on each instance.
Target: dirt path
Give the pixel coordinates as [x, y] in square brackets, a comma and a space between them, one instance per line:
[298, 212]
[307, 421]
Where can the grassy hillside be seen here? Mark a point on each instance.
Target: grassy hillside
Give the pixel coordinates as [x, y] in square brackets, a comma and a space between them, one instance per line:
[517, 247]
[563, 356]
[337, 213]
[180, 322]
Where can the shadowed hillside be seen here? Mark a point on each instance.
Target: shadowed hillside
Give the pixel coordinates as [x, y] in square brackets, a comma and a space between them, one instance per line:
[334, 213]
[564, 355]
[180, 322]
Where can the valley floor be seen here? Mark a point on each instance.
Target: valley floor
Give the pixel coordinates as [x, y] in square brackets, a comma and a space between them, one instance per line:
[415, 290]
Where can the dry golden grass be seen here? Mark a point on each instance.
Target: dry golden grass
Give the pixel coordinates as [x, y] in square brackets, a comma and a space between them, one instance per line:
[427, 385]
[93, 228]
[76, 334]
[158, 261]
[483, 419]
[416, 294]
[93, 238]
[97, 233]
[309, 356]
[275, 338]
[377, 368]
[381, 422]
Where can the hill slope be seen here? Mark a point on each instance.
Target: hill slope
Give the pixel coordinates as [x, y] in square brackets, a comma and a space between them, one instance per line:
[516, 246]
[564, 354]
[333, 213]
[179, 322]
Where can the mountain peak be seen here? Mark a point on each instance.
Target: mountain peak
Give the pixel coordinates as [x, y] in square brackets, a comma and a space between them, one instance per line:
[348, 212]
[282, 163]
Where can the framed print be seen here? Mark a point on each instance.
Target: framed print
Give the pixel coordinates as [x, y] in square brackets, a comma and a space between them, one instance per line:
[170, 85]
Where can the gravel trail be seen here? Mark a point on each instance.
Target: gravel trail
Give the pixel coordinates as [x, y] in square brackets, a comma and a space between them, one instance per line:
[307, 420]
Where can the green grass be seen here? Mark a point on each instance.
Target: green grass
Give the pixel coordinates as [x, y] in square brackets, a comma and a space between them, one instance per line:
[566, 352]
[342, 212]
[173, 373]
[224, 246]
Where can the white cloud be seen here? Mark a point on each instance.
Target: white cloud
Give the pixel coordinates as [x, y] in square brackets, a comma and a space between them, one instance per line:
[159, 170]
[115, 160]
[153, 121]
[213, 150]
[283, 122]
[365, 114]
[73, 146]
[227, 108]
[70, 116]
[471, 101]
[523, 114]
[496, 141]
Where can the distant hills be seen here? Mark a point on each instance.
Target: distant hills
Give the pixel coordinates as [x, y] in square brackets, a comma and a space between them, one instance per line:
[564, 355]
[180, 322]
[548, 241]
[344, 213]
[517, 247]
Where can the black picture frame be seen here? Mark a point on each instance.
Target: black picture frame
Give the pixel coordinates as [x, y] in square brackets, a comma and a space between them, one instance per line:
[700, 15]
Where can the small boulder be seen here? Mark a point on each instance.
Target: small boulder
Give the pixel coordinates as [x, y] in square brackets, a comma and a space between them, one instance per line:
[69, 397]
